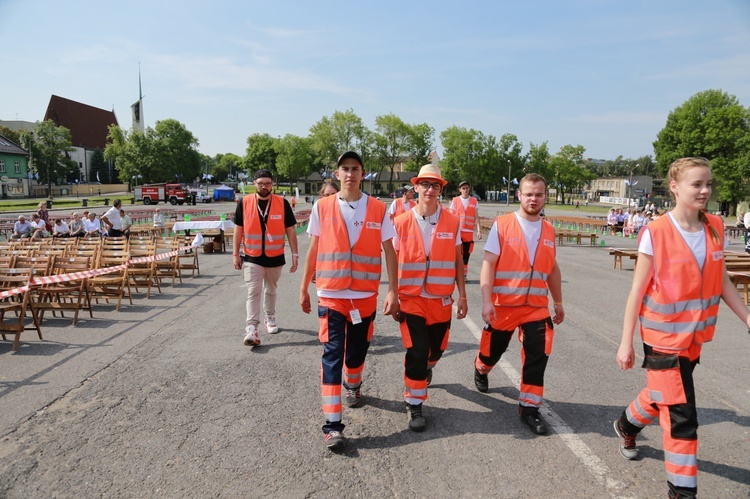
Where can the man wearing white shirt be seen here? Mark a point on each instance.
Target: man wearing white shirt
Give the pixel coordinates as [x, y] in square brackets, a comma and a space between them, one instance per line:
[111, 219]
[347, 232]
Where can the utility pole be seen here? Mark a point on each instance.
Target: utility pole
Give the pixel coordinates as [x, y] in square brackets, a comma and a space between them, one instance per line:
[507, 197]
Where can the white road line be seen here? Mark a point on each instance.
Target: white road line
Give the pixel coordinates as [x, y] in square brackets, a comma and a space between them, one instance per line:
[582, 451]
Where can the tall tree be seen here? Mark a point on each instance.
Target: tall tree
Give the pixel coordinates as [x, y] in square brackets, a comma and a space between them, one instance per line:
[538, 161]
[98, 167]
[392, 136]
[295, 157]
[462, 148]
[569, 170]
[176, 150]
[419, 144]
[260, 153]
[332, 136]
[226, 165]
[712, 124]
[12, 135]
[49, 147]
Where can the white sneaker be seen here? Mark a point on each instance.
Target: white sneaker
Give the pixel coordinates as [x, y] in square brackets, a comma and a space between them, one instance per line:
[251, 336]
[270, 323]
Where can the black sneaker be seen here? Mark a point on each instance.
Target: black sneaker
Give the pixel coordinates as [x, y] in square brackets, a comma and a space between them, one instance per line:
[334, 439]
[417, 421]
[480, 380]
[429, 377]
[534, 422]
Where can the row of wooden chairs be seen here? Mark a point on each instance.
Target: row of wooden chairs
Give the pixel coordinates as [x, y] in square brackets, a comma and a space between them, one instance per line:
[19, 267]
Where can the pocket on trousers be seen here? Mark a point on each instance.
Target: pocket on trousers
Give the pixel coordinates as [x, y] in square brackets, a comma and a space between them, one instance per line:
[664, 380]
[549, 338]
[323, 320]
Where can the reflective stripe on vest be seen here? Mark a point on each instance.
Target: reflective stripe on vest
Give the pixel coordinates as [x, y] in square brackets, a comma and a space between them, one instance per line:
[466, 218]
[254, 244]
[516, 281]
[339, 267]
[675, 325]
[435, 275]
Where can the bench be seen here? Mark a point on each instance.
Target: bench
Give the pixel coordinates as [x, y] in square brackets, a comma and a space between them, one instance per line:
[619, 253]
[741, 280]
[578, 236]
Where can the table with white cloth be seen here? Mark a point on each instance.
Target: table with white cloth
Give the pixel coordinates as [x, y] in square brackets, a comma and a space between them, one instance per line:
[222, 225]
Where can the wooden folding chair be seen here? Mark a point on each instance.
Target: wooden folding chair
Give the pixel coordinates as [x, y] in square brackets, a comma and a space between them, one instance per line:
[65, 295]
[188, 259]
[143, 273]
[167, 267]
[13, 309]
[112, 285]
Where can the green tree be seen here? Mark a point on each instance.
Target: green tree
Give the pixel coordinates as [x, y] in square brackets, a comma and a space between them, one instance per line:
[419, 144]
[260, 153]
[569, 170]
[391, 137]
[48, 148]
[176, 151]
[538, 161]
[226, 165]
[12, 135]
[462, 149]
[98, 166]
[295, 156]
[343, 131]
[712, 124]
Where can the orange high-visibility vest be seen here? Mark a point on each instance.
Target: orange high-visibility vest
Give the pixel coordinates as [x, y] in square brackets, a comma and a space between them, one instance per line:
[253, 241]
[401, 207]
[468, 217]
[517, 282]
[681, 303]
[436, 273]
[340, 267]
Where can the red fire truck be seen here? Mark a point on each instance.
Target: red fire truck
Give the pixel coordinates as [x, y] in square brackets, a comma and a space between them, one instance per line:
[168, 193]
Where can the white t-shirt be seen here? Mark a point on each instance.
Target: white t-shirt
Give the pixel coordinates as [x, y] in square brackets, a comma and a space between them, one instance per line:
[113, 215]
[61, 229]
[354, 217]
[532, 232]
[746, 220]
[696, 241]
[427, 226]
[392, 208]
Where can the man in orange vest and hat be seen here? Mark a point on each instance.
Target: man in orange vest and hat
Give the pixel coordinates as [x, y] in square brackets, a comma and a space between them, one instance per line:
[347, 232]
[428, 245]
[518, 271]
[466, 208]
[261, 221]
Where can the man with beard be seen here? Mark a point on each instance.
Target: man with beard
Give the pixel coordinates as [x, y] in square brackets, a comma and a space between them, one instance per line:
[518, 271]
[261, 222]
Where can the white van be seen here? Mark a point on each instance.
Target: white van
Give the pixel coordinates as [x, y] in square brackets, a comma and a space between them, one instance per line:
[201, 196]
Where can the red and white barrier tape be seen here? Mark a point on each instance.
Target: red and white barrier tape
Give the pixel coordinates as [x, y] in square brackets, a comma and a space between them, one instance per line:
[74, 276]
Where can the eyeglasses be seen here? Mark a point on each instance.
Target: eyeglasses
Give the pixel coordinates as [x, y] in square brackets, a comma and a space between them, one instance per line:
[264, 184]
[533, 195]
[426, 186]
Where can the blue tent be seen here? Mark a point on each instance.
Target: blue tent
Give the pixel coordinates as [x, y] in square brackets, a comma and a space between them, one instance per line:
[223, 193]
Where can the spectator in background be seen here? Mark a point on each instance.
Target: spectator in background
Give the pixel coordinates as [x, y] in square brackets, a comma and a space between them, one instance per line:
[44, 216]
[38, 227]
[76, 225]
[741, 220]
[91, 226]
[21, 229]
[329, 187]
[111, 220]
[612, 220]
[127, 222]
[60, 229]
[158, 218]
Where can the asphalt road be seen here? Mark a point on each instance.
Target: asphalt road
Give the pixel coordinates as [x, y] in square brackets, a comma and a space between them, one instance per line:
[163, 400]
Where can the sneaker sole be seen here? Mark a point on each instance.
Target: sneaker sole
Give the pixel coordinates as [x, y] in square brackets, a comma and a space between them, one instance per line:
[273, 330]
[417, 427]
[251, 343]
[622, 449]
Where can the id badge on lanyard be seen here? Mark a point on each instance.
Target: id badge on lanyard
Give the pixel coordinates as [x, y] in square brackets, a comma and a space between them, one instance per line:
[354, 315]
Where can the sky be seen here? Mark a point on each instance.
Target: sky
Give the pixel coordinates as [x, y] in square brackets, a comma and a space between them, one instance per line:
[601, 74]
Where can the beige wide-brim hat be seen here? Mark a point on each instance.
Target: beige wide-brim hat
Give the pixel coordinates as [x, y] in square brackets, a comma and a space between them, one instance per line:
[429, 172]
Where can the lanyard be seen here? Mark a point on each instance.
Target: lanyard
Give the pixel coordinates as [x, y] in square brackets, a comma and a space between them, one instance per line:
[264, 215]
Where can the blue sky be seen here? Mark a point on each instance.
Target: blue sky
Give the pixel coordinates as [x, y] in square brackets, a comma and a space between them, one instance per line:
[602, 74]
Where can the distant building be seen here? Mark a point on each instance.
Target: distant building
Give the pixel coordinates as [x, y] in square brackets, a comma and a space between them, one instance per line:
[88, 127]
[18, 126]
[14, 168]
[619, 188]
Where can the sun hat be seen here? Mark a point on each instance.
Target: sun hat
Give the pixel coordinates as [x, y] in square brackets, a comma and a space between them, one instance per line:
[429, 172]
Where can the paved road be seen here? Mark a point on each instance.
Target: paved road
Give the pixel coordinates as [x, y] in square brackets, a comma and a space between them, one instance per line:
[162, 399]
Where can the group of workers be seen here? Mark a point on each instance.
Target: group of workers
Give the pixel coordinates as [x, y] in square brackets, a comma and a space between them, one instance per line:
[425, 248]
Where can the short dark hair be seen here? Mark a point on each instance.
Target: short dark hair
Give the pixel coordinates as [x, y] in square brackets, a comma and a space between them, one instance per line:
[264, 173]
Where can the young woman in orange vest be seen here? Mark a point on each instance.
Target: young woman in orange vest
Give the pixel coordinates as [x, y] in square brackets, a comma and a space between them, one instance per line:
[404, 204]
[346, 234]
[518, 272]
[466, 208]
[428, 246]
[677, 286]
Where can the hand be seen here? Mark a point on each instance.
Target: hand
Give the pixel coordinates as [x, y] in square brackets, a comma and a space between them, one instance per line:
[463, 308]
[479, 234]
[304, 300]
[559, 314]
[237, 261]
[390, 305]
[625, 357]
[295, 262]
[488, 312]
